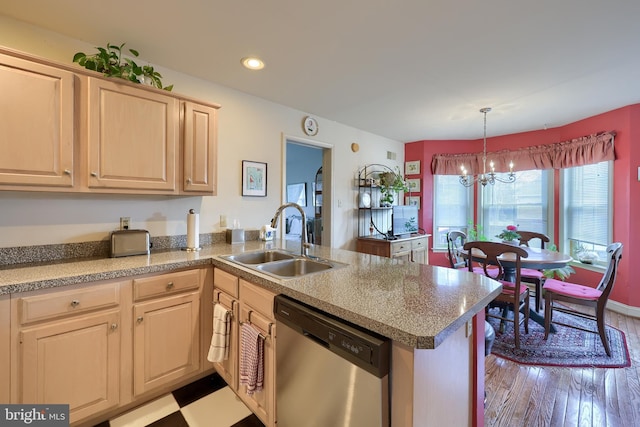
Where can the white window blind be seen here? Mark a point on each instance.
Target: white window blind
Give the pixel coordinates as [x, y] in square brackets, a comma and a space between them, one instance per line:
[524, 203]
[452, 208]
[587, 200]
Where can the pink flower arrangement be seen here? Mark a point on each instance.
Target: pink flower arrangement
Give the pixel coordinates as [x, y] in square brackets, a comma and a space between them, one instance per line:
[509, 233]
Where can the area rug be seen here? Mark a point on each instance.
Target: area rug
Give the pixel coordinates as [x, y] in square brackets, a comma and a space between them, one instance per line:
[567, 347]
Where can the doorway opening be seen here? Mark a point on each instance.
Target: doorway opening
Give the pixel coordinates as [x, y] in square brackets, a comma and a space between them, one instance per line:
[307, 181]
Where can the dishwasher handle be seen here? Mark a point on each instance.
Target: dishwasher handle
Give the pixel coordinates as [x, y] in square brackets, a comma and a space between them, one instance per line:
[315, 338]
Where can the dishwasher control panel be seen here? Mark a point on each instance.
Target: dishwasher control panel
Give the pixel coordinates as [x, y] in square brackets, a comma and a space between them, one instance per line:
[350, 344]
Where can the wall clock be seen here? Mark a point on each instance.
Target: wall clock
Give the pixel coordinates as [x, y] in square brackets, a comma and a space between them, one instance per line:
[310, 126]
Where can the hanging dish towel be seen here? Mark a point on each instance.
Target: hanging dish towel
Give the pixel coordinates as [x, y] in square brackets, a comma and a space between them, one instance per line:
[251, 358]
[219, 349]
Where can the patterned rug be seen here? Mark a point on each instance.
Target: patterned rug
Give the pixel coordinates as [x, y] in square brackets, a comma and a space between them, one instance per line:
[567, 347]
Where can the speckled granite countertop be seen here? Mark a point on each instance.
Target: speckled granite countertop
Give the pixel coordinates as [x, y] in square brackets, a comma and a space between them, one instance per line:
[416, 304]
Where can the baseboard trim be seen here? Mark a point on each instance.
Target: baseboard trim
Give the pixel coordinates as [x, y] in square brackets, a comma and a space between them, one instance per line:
[628, 310]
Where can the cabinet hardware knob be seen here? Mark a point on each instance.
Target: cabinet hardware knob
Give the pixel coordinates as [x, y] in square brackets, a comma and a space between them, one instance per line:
[94, 174]
[139, 319]
[114, 326]
[67, 171]
[169, 285]
[75, 303]
[188, 180]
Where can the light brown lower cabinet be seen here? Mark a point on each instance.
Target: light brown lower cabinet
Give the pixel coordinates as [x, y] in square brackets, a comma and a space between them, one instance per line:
[166, 329]
[251, 304]
[68, 346]
[256, 308]
[5, 348]
[104, 347]
[225, 292]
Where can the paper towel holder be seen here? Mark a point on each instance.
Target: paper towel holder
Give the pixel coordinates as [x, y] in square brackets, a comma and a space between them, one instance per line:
[197, 231]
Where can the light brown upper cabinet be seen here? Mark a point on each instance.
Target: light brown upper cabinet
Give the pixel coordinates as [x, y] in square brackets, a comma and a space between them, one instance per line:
[200, 148]
[132, 137]
[36, 125]
[68, 129]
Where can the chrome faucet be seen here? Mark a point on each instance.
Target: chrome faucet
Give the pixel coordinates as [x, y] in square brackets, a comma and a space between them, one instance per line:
[303, 235]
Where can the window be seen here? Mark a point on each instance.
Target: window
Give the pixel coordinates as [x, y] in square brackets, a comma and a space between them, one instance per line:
[452, 208]
[525, 203]
[586, 217]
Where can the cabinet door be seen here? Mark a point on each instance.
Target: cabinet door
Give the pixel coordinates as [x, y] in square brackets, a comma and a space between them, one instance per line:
[75, 361]
[200, 149]
[166, 342]
[132, 137]
[262, 403]
[228, 369]
[36, 124]
[419, 250]
[5, 349]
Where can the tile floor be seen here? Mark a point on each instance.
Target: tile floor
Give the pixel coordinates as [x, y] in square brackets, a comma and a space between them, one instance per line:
[207, 402]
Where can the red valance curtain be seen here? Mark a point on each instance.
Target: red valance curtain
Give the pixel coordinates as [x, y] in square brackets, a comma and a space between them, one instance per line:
[576, 152]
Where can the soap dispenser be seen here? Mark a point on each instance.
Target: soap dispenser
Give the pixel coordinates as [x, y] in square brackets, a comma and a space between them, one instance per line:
[267, 233]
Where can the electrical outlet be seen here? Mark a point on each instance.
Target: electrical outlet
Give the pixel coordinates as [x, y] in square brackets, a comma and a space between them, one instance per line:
[124, 222]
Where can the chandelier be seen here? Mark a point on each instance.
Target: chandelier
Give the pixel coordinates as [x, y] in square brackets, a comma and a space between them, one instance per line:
[485, 178]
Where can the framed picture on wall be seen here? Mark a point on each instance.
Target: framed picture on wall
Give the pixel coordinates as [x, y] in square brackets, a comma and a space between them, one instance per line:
[413, 201]
[254, 178]
[412, 168]
[413, 184]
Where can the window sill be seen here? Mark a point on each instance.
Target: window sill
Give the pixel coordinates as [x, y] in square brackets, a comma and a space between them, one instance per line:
[590, 267]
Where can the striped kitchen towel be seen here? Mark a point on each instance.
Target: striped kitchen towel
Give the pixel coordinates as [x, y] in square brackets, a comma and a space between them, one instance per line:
[219, 349]
[251, 358]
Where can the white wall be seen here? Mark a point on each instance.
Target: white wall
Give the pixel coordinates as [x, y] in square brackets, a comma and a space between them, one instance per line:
[250, 128]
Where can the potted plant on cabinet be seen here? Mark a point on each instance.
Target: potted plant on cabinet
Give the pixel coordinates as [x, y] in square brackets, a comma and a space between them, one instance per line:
[390, 183]
[110, 62]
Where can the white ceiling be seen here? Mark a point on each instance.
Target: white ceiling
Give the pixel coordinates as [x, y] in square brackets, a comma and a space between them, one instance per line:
[404, 69]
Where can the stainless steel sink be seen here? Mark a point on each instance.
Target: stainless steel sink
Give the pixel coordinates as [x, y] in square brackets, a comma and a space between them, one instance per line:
[260, 257]
[295, 267]
[282, 264]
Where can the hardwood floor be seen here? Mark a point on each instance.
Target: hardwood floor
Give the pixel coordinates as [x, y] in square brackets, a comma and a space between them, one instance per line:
[522, 395]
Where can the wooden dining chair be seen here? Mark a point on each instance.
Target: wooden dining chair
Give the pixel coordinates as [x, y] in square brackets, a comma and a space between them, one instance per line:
[576, 294]
[455, 241]
[513, 294]
[529, 275]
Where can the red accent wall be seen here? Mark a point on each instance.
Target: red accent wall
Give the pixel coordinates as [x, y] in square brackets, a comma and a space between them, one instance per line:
[626, 197]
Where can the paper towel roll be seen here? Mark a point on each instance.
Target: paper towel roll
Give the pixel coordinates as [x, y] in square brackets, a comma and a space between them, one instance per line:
[193, 230]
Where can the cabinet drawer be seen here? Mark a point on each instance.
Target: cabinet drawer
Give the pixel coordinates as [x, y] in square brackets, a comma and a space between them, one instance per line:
[261, 300]
[400, 247]
[57, 304]
[419, 244]
[165, 284]
[225, 281]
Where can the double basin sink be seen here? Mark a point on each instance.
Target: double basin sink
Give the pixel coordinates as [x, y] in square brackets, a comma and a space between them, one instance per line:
[282, 264]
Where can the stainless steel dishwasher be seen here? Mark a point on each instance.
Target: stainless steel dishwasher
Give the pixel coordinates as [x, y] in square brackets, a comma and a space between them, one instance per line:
[328, 372]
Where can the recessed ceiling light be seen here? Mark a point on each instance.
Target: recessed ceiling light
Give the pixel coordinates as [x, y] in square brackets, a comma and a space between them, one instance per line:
[252, 63]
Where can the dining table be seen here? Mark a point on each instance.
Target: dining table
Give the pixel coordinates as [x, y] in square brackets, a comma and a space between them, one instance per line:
[537, 259]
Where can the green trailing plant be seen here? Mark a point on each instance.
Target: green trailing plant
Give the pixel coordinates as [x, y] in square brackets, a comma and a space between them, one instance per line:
[558, 273]
[110, 62]
[391, 182]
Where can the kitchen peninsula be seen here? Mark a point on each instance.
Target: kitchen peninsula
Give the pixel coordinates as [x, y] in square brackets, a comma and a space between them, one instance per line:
[426, 311]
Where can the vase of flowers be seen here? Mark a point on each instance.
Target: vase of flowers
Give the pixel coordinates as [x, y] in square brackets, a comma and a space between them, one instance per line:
[510, 235]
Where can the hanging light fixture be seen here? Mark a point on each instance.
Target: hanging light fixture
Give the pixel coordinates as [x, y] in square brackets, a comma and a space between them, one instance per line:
[485, 178]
